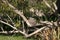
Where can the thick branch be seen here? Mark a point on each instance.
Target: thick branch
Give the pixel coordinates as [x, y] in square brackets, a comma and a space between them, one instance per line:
[17, 11]
[39, 30]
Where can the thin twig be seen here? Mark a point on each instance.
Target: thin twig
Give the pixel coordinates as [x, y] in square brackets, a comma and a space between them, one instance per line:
[23, 26]
[55, 6]
[17, 11]
[13, 27]
[48, 5]
[10, 19]
[2, 29]
[8, 24]
[23, 32]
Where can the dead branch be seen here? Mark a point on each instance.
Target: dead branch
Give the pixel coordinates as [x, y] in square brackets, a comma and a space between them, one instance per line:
[8, 24]
[17, 12]
[46, 22]
[9, 32]
[2, 28]
[23, 26]
[48, 5]
[10, 19]
[39, 30]
[25, 19]
[25, 34]
[13, 28]
[55, 6]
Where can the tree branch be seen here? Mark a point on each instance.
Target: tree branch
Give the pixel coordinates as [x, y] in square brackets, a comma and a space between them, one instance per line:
[10, 19]
[2, 28]
[55, 6]
[48, 5]
[17, 12]
[38, 30]
[26, 35]
[8, 24]
[13, 28]
[21, 31]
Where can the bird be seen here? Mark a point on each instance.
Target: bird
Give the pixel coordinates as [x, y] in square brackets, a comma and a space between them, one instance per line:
[32, 21]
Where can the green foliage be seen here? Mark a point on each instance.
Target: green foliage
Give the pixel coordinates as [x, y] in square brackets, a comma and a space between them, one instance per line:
[14, 37]
[23, 5]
